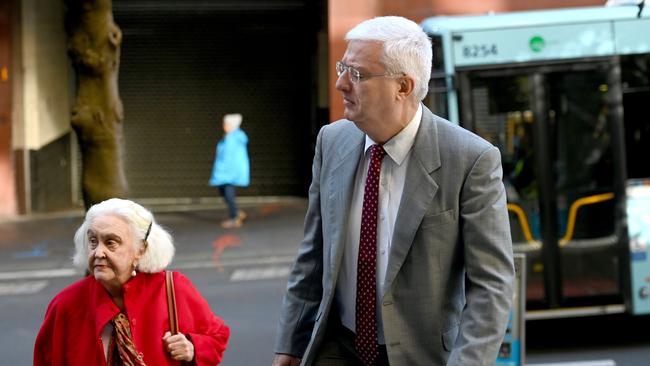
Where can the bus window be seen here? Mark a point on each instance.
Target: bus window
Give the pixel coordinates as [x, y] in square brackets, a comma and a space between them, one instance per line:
[501, 113]
[552, 126]
[502, 116]
[436, 100]
[580, 132]
[636, 94]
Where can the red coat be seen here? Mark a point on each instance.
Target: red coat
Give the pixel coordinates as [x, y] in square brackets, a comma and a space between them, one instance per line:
[71, 332]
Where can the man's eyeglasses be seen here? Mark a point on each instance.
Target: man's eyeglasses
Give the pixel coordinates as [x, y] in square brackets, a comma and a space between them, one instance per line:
[355, 75]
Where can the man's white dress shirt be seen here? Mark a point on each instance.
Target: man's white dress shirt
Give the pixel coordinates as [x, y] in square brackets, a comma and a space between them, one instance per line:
[391, 185]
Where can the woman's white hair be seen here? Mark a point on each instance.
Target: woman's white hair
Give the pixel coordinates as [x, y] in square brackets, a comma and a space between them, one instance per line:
[160, 247]
[233, 121]
[407, 49]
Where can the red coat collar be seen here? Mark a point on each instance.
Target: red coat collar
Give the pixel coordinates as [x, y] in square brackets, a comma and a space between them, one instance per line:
[105, 308]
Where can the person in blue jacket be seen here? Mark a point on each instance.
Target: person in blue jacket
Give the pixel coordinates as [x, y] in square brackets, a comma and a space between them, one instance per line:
[231, 167]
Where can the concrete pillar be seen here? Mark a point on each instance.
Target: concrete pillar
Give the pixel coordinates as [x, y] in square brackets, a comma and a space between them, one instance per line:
[42, 89]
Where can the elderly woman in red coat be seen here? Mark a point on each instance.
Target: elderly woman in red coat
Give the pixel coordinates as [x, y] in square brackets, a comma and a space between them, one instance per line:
[118, 315]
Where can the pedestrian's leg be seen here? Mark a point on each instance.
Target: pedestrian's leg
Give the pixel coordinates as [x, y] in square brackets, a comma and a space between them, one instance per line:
[222, 192]
[229, 195]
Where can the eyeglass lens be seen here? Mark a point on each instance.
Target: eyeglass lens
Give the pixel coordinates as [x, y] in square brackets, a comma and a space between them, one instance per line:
[353, 73]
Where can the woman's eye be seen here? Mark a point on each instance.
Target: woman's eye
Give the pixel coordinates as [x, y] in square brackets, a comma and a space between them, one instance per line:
[93, 243]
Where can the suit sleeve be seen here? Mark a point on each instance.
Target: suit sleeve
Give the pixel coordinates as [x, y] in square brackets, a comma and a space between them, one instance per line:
[489, 264]
[304, 288]
[206, 331]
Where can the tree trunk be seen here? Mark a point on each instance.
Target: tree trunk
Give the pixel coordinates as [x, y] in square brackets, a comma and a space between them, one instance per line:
[94, 48]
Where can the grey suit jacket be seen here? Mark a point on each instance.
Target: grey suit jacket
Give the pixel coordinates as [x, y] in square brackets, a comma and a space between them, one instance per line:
[449, 281]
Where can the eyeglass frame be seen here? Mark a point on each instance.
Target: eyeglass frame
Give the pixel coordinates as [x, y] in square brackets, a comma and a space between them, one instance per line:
[356, 76]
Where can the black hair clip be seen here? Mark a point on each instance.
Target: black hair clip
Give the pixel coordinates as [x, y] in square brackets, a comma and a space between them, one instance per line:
[148, 231]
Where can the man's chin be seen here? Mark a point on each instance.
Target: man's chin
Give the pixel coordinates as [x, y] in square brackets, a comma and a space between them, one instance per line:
[348, 114]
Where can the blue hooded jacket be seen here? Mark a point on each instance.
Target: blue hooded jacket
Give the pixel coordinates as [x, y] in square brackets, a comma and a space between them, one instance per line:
[231, 164]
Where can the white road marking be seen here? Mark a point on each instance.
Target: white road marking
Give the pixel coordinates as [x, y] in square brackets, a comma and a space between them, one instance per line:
[260, 273]
[578, 363]
[235, 262]
[43, 273]
[22, 288]
[183, 265]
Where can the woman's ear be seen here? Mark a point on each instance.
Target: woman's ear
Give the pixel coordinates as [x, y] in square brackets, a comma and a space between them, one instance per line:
[142, 249]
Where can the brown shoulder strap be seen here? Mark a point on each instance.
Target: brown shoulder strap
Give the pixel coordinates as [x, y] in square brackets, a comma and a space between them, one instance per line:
[171, 302]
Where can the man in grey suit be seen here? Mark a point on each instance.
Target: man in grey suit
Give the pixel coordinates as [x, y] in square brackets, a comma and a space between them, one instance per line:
[406, 257]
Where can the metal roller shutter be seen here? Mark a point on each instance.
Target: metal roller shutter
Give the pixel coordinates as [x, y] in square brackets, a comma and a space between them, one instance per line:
[186, 64]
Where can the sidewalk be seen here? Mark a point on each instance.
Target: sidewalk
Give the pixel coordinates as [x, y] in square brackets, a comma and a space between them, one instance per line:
[271, 233]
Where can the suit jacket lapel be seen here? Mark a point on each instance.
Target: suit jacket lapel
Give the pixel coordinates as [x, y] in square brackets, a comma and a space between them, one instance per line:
[419, 190]
[341, 186]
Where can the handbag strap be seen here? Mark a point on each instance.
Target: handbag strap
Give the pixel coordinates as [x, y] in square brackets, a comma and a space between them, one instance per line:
[171, 302]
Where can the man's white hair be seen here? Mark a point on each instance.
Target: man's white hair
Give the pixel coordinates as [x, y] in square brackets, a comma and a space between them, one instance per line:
[407, 49]
[160, 248]
[233, 121]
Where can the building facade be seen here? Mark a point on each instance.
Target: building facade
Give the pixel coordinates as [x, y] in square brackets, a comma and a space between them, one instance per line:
[183, 66]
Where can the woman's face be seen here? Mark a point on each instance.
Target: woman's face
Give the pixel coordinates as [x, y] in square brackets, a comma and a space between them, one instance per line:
[226, 127]
[112, 253]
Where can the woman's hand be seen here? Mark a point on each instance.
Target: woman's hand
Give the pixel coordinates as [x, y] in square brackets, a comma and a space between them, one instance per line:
[179, 347]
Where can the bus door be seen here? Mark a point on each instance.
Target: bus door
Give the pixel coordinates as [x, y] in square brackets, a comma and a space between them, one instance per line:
[635, 71]
[561, 152]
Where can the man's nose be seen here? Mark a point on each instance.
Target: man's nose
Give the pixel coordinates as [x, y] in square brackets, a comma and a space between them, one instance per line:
[343, 82]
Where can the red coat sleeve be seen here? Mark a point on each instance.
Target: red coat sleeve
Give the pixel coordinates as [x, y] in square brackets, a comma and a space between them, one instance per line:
[43, 344]
[207, 332]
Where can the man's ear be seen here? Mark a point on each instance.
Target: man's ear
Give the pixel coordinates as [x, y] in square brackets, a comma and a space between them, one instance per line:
[406, 87]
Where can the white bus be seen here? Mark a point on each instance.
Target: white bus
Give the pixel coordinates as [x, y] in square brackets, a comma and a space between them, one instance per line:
[564, 94]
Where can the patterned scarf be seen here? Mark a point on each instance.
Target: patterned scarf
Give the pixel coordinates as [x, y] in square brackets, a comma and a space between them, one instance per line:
[129, 355]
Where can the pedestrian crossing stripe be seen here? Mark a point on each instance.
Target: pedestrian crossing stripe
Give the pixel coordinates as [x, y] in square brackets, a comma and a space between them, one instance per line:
[259, 273]
[22, 287]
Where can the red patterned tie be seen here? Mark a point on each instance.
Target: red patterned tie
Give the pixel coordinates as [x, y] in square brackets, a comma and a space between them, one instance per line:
[366, 307]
